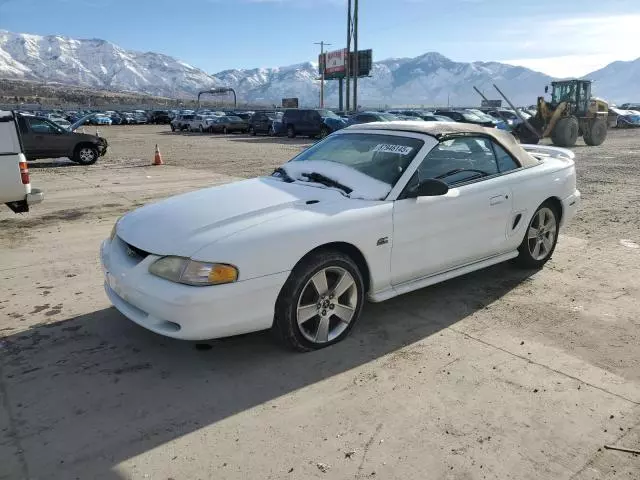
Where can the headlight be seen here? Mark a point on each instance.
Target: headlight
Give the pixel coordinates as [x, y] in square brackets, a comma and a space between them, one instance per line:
[190, 272]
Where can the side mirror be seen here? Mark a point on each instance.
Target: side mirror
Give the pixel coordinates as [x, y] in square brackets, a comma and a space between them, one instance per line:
[546, 89]
[430, 187]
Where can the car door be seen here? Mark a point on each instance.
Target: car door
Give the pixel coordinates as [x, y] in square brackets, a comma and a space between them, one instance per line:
[43, 138]
[468, 224]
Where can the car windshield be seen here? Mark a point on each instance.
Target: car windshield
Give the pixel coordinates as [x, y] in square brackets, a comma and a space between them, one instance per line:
[381, 157]
[328, 114]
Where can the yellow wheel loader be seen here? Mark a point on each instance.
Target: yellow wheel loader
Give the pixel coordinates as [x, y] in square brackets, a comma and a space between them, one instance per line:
[571, 113]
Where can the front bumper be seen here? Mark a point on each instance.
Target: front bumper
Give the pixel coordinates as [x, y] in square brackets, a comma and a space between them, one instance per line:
[570, 206]
[181, 311]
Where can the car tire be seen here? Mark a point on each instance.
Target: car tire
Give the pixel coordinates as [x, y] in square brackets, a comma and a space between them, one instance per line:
[324, 132]
[306, 320]
[566, 132]
[596, 133]
[540, 238]
[270, 132]
[86, 155]
[173, 128]
[225, 131]
[201, 129]
[252, 131]
[291, 132]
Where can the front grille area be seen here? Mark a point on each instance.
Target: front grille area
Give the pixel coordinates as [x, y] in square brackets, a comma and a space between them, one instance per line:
[134, 252]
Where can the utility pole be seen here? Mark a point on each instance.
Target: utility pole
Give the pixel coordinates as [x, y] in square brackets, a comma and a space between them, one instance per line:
[324, 65]
[348, 59]
[355, 62]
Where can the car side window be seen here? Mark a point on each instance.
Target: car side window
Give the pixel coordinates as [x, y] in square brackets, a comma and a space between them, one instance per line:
[505, 161]
[39, 125]
[459, 160]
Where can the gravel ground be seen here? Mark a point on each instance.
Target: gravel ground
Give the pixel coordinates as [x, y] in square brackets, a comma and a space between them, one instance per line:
[495, 375]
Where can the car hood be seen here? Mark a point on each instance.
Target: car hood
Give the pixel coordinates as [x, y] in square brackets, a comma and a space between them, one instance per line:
[184, 224]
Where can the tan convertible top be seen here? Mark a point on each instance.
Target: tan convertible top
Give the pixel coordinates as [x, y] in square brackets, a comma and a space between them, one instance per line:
[440, 129]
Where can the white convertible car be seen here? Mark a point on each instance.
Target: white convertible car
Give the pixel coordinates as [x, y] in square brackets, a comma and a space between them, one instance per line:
[371, 212]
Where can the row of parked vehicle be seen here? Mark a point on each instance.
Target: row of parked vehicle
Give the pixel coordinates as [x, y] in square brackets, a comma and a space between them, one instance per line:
[322, 122]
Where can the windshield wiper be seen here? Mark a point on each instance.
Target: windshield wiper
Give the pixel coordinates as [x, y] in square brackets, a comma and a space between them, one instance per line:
[282, 173]
[329, 182]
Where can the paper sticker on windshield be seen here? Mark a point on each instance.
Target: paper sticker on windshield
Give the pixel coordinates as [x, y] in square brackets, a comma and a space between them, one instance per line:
[388, 148]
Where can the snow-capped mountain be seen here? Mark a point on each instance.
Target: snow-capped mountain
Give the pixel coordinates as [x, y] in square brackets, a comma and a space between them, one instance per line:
[430, 79]
[96, 64]
[617, 81]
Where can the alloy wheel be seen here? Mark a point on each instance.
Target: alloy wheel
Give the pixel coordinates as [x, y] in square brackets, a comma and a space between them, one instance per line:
[86, 155]
[327, 304]
[542, 234]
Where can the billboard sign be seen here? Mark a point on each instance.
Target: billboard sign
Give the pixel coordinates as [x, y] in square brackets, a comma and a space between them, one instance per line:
[491, 103]
[336, 61]
[290, 103]
[365, 64]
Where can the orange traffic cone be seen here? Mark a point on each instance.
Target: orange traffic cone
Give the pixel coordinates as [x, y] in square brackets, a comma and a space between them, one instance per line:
[157, 160]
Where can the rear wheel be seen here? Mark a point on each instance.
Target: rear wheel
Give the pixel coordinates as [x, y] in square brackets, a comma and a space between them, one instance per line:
[252, 131]
[596, 132]
[86, 155]
[173, 128]
[201, 129]
[320, 302]
[565, 133]
[291, 132]
[540, 238]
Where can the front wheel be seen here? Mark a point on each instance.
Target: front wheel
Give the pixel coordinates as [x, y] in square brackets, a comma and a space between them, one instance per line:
[252, 131]
[271, 133]
[320, 302]
[201, 129]
[173, 128]
[596, 132]
[540, 238]
[324, 131]
[86, 155]
[291, 133]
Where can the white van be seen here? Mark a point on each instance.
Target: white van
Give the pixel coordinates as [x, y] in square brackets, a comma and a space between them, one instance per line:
[15, 186]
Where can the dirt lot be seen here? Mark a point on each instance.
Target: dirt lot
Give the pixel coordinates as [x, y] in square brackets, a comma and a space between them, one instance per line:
[499, 374]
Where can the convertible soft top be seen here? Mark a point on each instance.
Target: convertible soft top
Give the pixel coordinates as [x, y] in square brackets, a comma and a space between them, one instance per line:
[440, 129]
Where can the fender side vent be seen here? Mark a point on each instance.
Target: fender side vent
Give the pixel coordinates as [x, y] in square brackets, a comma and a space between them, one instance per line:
[312, 202]
[516, 221]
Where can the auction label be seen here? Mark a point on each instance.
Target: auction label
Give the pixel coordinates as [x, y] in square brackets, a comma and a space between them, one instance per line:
[388, 148]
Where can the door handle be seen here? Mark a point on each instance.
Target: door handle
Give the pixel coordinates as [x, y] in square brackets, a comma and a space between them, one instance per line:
[498, 199]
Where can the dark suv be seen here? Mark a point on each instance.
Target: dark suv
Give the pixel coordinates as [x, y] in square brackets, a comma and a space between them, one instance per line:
[311, 122]
[160, 117]
[42, 138]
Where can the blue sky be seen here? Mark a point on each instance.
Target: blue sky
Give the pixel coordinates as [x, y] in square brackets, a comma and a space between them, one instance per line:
[559, 37]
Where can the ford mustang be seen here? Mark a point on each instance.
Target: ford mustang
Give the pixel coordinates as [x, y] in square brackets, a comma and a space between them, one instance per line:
[371, 212]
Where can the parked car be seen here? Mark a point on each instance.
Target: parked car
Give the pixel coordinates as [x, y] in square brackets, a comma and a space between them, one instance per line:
[620, 118]
[465, 117]
[42, 138]
[423, 203]
[311, 122]
[630, 106]
[430, 117]
[407, 113]
[140, 117]
[228, 124]
[160, 117]
[507, 115]
[61, 122]
[200, 123]
[127, 118]
[262, 122]
[99, 119]
[497, 123]
[368, 117]
[16, 191]
[181, 122]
